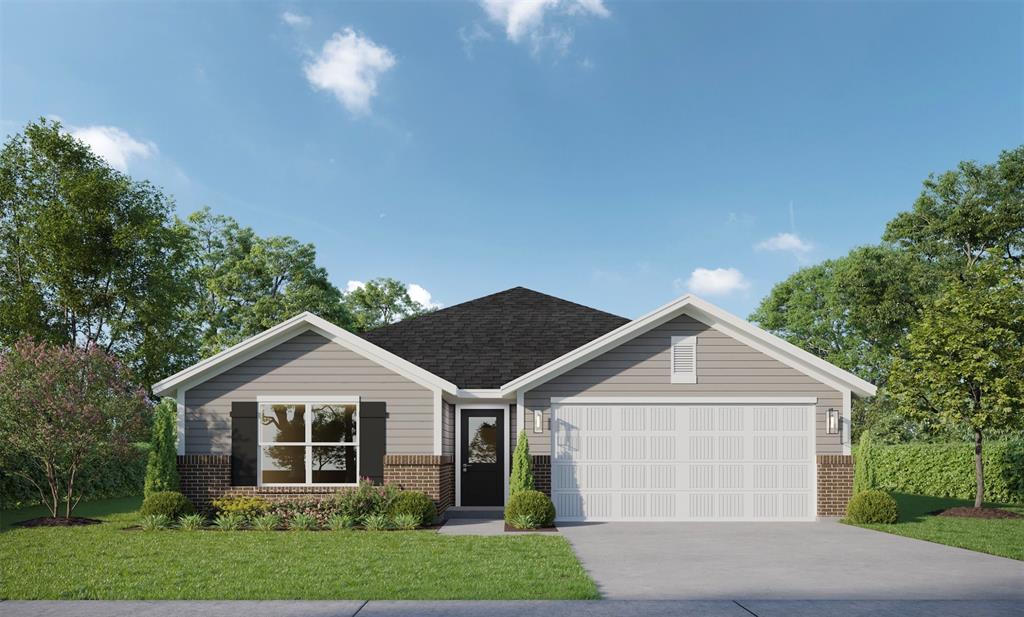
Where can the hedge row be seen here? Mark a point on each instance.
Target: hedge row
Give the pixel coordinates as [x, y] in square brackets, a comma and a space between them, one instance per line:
[947, 469]
[112, 478]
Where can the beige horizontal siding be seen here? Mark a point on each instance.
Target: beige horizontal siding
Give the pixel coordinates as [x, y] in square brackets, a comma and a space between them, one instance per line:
[307, 365]
[725, 367]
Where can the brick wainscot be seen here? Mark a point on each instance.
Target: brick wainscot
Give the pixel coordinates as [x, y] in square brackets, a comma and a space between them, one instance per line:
[835, 483]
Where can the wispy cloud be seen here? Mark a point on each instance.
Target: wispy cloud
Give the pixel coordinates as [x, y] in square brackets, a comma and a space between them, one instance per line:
[471, 36]
[717, 282]
[296, 20]
[785, 241]
[524, 20]
[348, 66]
[114, 145]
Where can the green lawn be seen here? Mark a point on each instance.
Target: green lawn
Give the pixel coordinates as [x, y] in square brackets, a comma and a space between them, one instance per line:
[106, 562]
[1003, 537]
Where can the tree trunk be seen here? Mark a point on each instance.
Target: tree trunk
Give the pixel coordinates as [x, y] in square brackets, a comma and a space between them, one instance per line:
[979, 470]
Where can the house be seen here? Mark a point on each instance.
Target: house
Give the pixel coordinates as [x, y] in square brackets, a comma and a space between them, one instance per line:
[686, 413]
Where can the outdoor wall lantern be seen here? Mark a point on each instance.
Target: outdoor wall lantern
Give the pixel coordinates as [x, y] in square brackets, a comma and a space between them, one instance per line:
[538, 421]
[832, 421]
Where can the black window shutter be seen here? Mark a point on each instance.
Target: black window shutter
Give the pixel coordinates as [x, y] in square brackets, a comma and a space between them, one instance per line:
[372, 440]
[244, 442]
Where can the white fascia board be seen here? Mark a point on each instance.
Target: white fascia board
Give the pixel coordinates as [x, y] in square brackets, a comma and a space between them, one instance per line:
[714, 316]
[684, 400]
[255, 345]
[482, 393]
[288, 398]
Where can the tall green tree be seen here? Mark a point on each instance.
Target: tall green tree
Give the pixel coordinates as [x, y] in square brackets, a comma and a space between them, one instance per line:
[162, 464]
[522, 466]
[380, 302]
[88, 256]
[965, 357]
[245, 283]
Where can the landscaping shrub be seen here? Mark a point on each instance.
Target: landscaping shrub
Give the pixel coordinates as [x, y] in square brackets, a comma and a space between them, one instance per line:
[249, 507]
[338, 522]
[522, 466]
[872, 507]
[191, 522]
[523, 521]
[229, 522]
[162, 463]
[415, 504]
[302, 522]
[365, 500]
[320, 509]
[155, 522]
[947, 469]
[534, 504]
[863, 464]
[377, 522]
[168, 503]
[406, 522]
[265, 522]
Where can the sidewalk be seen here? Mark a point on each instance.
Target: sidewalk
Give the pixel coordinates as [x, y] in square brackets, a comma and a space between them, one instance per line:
[596, 608]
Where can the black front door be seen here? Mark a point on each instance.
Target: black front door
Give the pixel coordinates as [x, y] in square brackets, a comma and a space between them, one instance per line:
[483, 457]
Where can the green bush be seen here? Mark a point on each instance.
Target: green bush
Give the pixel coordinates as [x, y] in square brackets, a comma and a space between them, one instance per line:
[377, 522]
[863, 464]
[414, 504]
[365, 500]
[406, 522]
[302, 522]
[191, 522]
[230, 521]
[872, 507]
[534, 504]
[168, 503]
[249, 507]
[947, 469]
[339, 522]
[155, 522]
[523, 521]
[522, 466]
[162, 463]
[265, 522]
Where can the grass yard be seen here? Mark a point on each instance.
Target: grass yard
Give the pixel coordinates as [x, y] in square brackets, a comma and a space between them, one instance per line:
[106, 562]
[1003, 537]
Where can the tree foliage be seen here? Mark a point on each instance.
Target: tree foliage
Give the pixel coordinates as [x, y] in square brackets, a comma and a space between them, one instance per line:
[965, 357]
[522, 467]
[381, 302]
[86, 256]
[64, 410]
[162, 464]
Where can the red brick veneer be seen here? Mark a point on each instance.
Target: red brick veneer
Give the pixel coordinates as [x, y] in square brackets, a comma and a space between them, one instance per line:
[835, 483]
[428, 473]
[542, 473]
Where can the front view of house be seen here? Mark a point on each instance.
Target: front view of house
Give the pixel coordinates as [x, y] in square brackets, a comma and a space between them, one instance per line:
[687, 413]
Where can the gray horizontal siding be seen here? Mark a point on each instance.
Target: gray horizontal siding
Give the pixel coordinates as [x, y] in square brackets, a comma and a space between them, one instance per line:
[725, 367]
[306, 365]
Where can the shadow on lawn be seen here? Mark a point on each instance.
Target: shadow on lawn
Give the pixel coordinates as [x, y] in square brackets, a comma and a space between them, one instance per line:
[122, 509]
[916, 508]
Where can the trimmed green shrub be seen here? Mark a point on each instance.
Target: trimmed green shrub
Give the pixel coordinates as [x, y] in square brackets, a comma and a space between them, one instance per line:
[534, 504]
[249, 507]
[366, 500]
[406, 522]
[155, 522]
[414, 504]
[191, 522]
[863, 464]
[947, 469]
[522, 466]
[872, 507]
[229, 522]
[162, 463]
[169, 503]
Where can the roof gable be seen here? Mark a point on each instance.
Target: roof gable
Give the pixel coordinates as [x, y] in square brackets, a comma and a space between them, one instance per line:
[489, 341]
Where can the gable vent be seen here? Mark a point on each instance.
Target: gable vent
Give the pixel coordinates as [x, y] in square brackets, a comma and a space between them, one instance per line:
[684, 359]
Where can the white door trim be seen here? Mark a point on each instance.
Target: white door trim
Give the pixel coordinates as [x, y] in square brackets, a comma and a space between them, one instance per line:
[500, 406]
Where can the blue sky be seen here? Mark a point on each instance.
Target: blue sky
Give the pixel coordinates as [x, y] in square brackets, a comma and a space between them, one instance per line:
[615, 154]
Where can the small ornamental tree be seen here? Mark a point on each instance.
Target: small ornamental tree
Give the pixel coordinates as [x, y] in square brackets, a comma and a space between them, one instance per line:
[522, 467]
[965, 358]
[863, 468]
[162, 466]
[63, 409]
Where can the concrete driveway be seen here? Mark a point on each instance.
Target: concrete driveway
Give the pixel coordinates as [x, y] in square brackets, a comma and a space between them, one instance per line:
[784, 561]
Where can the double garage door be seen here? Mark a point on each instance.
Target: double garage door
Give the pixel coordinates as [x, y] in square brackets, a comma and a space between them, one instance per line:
[672, 462]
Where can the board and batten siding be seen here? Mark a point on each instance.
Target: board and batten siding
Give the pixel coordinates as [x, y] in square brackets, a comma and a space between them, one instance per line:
[725, 367]
[307, 365]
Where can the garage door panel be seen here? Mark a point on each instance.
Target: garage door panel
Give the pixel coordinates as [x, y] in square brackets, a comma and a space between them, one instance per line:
[683, 462]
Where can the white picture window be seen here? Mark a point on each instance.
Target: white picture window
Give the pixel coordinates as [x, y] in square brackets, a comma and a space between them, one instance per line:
[308, 443]
[684, 359]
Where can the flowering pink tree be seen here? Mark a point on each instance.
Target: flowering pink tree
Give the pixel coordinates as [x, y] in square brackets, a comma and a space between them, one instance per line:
[62, 410]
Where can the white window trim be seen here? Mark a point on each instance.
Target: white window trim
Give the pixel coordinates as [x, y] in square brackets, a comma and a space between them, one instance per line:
[682, 377]
[307, 402]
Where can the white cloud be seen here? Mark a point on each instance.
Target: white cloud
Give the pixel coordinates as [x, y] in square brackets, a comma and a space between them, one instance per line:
[114, 145]
[785, 241]
[422, 296]
[471, 36]
[349, 65]
[717, 282]
[295, 20]
[524, 19]
[354, 285]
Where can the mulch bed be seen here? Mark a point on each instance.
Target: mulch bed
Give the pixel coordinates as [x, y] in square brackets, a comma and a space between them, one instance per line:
[49, 521]
[978, 513]
[510, 528]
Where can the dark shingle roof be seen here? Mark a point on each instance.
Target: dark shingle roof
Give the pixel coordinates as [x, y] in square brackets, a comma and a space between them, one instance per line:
[490, 341]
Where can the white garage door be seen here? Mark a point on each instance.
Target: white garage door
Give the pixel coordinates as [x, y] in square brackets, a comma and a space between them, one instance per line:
[683, 462]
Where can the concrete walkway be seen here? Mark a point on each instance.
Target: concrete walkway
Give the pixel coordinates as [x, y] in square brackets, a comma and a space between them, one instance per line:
[481, 527]
[784, 561]
[609, 608]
